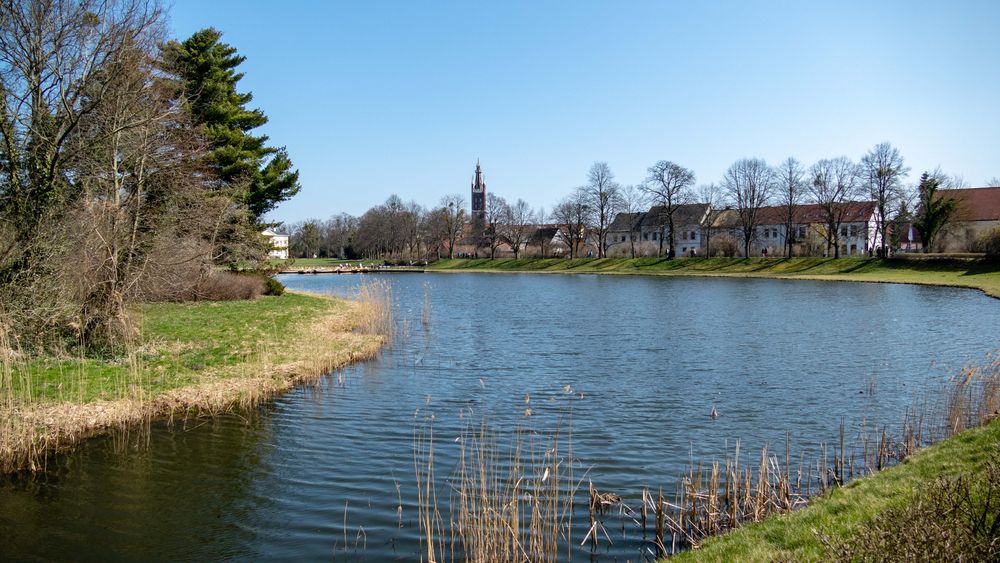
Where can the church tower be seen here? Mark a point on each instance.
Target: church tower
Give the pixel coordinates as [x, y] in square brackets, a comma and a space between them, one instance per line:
[478, 196]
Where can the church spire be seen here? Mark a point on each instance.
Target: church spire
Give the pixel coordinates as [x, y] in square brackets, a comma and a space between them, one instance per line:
[478, 194]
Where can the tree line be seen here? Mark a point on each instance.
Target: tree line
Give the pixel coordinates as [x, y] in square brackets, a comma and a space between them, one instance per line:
[129, 167]
[409, 230]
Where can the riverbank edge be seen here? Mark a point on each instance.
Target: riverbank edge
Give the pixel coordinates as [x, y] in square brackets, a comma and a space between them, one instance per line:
[795, 536]
[901, 266]
[333, 340]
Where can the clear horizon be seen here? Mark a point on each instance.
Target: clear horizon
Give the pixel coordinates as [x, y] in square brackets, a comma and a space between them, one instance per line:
[375, 99]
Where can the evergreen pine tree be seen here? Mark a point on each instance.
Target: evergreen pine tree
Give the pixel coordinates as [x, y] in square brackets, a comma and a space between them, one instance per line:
[208, 69]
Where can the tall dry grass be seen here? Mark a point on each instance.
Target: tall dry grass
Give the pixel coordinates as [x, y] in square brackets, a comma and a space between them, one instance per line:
[375, 312]
[512, 500]
[34, 426]
[713, 500]
[509, 499]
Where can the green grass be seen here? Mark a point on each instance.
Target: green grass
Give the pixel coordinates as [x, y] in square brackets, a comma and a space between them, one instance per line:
[182, 344]
[793, 537]
[978, 274]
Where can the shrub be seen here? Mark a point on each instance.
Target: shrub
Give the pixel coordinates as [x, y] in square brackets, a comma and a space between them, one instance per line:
[955, 519]
[723, 245]
[227, 286]
[989, 243]
[273, 286]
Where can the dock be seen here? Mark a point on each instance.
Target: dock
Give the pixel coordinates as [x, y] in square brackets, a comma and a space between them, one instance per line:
[365, 270]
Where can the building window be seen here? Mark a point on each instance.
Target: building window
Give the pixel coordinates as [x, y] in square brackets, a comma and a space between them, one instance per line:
[843, 231]
[854, 230]
[645, 236]
[802, 232]
[654, 236]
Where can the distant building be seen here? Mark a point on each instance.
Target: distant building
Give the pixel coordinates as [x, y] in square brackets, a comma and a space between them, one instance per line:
[976, 213]
[479, 197]
[700, 230]
[279, 244]
[856, 221]
[646, 229]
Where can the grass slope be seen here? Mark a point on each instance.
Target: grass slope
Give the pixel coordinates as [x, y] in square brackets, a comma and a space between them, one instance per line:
[979, 274]
[185, 344]
[794, 537]
[201, 357]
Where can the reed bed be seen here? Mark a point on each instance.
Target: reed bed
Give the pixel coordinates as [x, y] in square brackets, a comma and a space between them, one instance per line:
[514, 500]
[507, 500]
[712, 500]
[375, 313]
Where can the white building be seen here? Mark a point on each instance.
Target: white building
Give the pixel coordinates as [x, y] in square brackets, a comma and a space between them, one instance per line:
[279, 244]
[856, 223]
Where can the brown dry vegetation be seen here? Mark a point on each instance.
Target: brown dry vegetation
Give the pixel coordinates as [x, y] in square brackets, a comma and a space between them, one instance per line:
[32, 426]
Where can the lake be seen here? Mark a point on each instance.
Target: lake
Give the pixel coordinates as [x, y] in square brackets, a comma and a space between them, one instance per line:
[627, 368]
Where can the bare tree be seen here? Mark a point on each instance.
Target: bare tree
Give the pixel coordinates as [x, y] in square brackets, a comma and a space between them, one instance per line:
[573, 216]
[452, 213]
[834, 183]
[883, 170]
[517, 225]
[668, 186]
[790, 191]
[749, 183]
[496, 214]
[602, 197]
[711, 195]
[633, 201]
[64, 63]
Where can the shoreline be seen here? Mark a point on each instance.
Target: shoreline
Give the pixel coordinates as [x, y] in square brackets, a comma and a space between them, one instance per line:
[839, 514]
[331, 340]
[894, 271]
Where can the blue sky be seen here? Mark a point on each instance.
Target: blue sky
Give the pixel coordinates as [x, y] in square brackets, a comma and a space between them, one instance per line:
[375, 98]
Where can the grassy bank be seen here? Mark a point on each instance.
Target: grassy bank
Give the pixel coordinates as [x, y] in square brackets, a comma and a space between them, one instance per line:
[837, 515]
[205, 357]
[978, 274]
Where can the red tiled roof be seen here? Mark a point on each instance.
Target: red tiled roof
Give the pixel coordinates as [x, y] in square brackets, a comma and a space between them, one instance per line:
[975, 204]
[856, 211]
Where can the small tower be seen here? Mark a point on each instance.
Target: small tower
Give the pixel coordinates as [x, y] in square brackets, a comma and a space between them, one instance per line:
[478, 196]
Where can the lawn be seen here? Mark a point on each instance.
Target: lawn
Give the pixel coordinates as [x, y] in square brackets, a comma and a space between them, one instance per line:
[978, 274]
[183, 344]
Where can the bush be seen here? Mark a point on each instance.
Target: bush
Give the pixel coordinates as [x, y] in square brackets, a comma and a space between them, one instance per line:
[273, 286]
[723, 245]
[955, 519]
[227, 286]
[989, 243]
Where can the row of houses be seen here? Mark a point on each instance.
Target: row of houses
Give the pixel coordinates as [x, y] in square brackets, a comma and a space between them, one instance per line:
[701, 230]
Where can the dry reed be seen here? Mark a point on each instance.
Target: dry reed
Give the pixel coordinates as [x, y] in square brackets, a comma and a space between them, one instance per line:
[711, 501]
[32, 427]
[508, 501]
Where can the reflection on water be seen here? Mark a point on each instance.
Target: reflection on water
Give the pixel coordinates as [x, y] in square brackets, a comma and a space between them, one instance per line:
[634, 364]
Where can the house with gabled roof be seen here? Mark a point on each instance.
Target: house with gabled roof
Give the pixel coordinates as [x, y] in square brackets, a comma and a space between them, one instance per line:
[852, 225]
[648, 231]
[977, 212]
[279, 244]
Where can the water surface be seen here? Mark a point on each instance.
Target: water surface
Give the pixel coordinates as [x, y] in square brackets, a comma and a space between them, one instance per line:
[633, 365]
